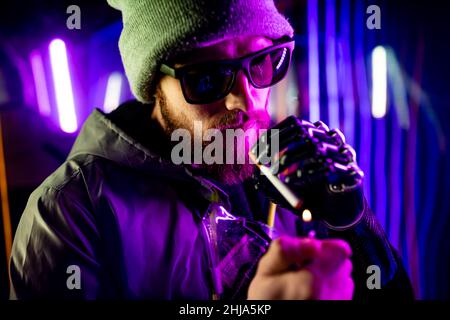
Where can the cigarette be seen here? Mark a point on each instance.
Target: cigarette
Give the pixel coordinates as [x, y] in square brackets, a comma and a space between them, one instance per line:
[287, 194]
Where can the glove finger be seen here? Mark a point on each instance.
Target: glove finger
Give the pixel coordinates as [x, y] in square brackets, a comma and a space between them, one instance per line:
[269, 144]
[344, 178]
[293, 153]
[324, 154]
[304, 173]
[296, 135]
[280, 136]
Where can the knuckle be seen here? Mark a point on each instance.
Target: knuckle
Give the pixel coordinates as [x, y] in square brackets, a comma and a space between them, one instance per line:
[322, 125]
[338, 135]
[263, 288]
[348, 266]
[275, 252]
[337, 245]
[302, 287]
[264, 263]
[275, 246]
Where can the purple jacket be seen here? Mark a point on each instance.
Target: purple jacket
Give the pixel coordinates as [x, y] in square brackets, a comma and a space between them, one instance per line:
[137, 227]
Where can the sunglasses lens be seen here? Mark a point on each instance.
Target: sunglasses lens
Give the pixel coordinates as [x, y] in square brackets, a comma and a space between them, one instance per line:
[269, 68]
[207, 83]
[203, 85]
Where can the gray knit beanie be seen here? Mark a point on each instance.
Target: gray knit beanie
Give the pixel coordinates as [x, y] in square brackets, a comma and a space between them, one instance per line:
[155, 31]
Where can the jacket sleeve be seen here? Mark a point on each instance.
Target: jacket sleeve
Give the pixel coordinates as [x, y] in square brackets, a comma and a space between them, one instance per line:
[54, 253]
[372, 252]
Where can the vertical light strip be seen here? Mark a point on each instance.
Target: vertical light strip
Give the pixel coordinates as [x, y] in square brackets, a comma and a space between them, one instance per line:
[63, 86]
[40, 83]
[113, 91]
[395, 180]
[346, 84]
[331, 67]
[313, 61]
[365, 134]
[379, 101]
[380, 175]
[379, 82]
[6, 216]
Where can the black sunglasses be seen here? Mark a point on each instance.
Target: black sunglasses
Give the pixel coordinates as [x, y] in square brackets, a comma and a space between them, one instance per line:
[208, 82]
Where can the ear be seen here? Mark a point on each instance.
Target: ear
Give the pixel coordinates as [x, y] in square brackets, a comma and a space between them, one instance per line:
[156, 96]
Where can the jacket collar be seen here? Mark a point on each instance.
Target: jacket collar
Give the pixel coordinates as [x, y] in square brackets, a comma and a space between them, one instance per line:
[100, 137]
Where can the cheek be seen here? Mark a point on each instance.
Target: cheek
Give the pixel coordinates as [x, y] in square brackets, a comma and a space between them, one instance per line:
[261, 96]
[175, 98]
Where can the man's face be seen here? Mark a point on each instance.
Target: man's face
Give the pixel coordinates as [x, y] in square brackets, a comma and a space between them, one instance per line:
[244, 107]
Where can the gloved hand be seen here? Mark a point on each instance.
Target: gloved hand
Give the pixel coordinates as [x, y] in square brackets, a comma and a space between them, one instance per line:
[318, 166]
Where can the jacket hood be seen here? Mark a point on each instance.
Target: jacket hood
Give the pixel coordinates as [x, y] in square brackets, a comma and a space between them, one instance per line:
[101, 137]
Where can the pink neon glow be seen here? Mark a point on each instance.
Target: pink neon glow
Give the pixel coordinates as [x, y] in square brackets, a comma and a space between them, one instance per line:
[63, 86]
[40, 83]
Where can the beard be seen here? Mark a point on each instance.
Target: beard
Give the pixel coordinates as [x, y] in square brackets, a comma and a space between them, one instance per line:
[227, 174]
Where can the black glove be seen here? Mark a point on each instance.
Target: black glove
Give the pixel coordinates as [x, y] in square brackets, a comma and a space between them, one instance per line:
[318, 166]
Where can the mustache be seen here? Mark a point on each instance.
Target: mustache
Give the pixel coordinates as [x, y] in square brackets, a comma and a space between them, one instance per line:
[240, 119]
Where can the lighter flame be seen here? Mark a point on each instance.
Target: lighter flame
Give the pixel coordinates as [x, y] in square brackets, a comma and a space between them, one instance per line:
[306, 215]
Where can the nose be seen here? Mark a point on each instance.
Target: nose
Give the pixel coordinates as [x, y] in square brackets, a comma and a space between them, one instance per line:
[243, 96]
